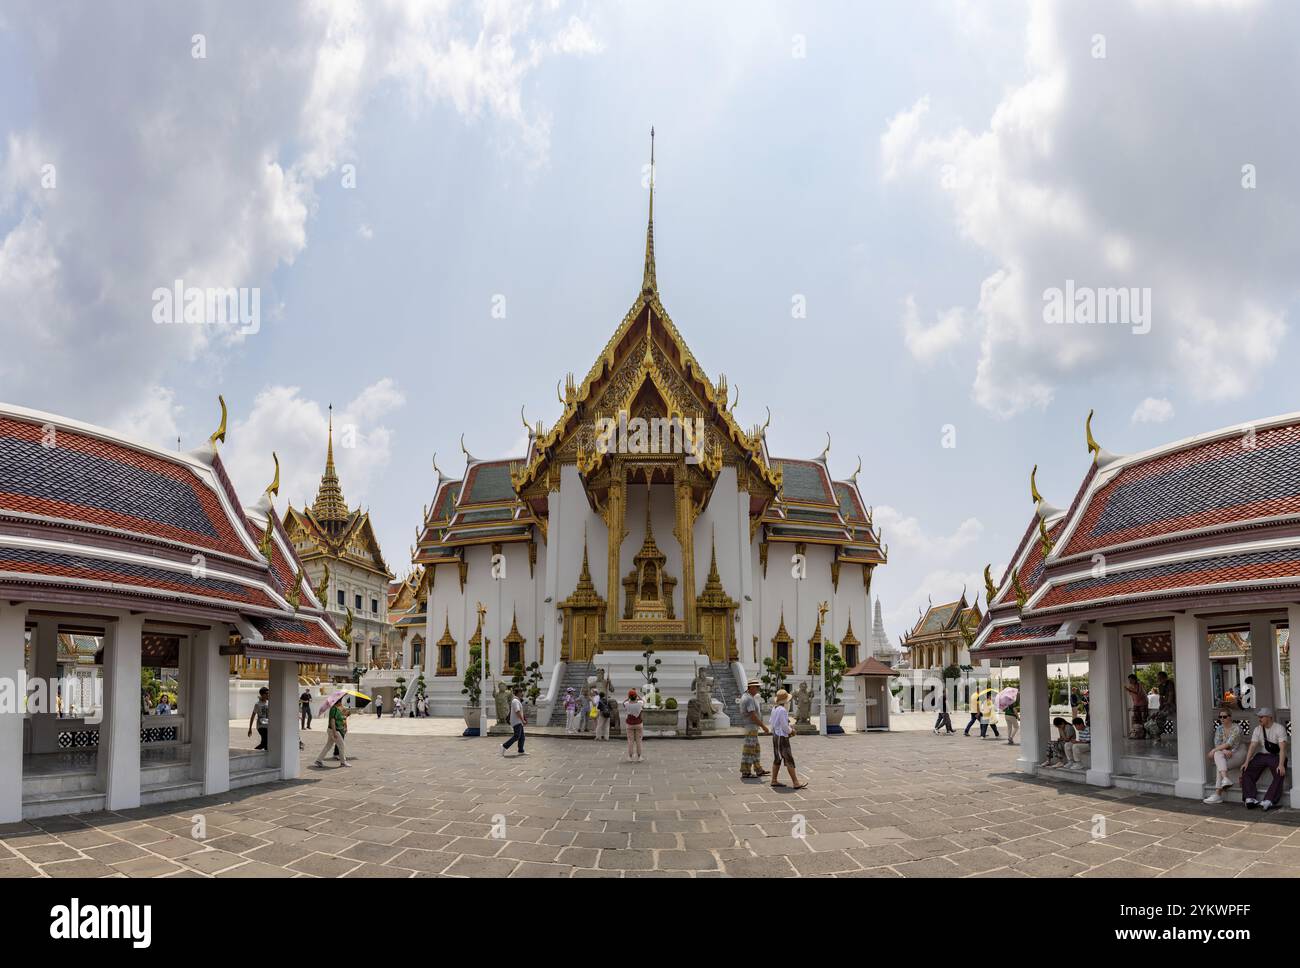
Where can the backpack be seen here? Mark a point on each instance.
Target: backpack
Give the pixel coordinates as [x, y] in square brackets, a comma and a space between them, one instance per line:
[603, 708]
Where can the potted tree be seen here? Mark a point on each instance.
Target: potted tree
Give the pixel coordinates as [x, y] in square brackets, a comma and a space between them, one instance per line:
[834, 684]
[473, 687]
[769, 682]
[533, 689]
[421, 688]
[656, 717]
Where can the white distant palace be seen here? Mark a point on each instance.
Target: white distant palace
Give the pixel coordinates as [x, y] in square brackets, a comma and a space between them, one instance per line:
[645, 509]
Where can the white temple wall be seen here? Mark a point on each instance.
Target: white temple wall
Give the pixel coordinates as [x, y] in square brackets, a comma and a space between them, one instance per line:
[779, 589]
[851, 601]
[718, 521]
[577, 516]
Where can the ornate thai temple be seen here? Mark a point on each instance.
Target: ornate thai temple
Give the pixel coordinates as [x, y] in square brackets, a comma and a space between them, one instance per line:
[1184, 558]
[341, 553]
[943, 635]
[643, 511]
[124, 564]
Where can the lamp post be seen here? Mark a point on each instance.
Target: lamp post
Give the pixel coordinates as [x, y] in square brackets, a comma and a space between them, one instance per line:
[822, 726]
[482, 674]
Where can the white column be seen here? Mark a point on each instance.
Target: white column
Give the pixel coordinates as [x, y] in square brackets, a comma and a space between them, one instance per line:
[1263, 661]
[554, 631]
[1293, 620]
[865, 688]
[745, 637]
[1034, 724]
[1106, 706]
[119, 731]
[44, 726]
[283, 734]
[1193, 714]
[209, 714]
[13, 622]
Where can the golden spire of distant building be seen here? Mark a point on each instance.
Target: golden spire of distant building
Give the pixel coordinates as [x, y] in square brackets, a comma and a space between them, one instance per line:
[649, 285]
[329, 505]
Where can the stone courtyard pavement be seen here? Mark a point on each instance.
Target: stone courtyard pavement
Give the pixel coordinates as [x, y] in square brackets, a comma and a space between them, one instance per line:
[880, 805]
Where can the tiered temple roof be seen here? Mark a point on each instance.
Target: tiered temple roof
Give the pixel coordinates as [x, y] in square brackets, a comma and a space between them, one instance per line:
[89, 517]
[1212, 517]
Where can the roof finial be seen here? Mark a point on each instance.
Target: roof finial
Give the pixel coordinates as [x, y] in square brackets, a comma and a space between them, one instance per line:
[649, 285]
[1094, 448]
[1033, 486]
[220, 433]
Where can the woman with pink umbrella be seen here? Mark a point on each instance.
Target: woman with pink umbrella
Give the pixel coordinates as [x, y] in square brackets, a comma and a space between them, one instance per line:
[338, 725]
[1008, 703]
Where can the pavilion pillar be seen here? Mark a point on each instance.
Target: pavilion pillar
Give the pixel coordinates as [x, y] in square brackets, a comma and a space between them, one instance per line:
[1034, 723]
[1192, 712]
[283, 734]
[615, 510]
[1106, 708]
[1263, 663]
[685, 508]
[745, 648]
[44, 725]
[1293, 622]
[119, 732]
[210, 719]
[13, 624]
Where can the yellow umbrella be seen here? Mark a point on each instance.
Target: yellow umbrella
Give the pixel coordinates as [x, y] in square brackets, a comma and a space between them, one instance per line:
[984, 692]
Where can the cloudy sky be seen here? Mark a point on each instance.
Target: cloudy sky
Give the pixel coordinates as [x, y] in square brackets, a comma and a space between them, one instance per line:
[386, 174]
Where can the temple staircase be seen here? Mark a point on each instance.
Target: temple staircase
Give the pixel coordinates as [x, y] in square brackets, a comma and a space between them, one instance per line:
[726, 691]
[575, 677]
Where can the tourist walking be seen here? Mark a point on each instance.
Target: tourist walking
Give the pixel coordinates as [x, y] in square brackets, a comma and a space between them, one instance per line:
[304, 709]
[602, 717]
[517, 721]
[1228, 753]
[633, 708]
[974, 714]
[262, 715]
[1270, 735]
[1012, 714]
[379, 706]
[751, 720]
[988, 717]
[336, 732]
[943, 720]
[781, 742]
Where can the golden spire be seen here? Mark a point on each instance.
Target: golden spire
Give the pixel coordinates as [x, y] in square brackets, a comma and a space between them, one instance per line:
[649, 285]
[329, 505]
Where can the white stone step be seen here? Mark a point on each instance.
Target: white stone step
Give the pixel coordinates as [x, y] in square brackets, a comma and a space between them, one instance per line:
[59, 783]
[253, 777]
[170, 790]
[56, 804]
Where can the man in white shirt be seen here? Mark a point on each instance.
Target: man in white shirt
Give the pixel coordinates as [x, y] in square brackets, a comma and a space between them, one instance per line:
[517, 720]
[1272, 737]
[781, 742]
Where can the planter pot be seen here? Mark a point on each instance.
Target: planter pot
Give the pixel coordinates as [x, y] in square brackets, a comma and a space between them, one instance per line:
[660, 719]
[471, 717]
[834, 713]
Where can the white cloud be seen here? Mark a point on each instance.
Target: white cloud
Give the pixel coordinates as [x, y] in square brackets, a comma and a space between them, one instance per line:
[905, 533]
[927, 342]
[206, 170]
[152, 418]
[938, 586]
[296, 429]
[1126, 171]
[1153, 410]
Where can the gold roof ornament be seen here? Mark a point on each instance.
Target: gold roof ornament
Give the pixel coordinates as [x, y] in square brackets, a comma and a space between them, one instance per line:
[346, 634]
[267, 543]
[1044, 539]
[468, 456]
[294, 598]
[1021, 597]
[989, 588]
[1094, 448]
[273, 489]
[735, 403]
[323, 588]
[446, 630]
[220, 433]
[1033, 486]
[825, 454]
[853, 478]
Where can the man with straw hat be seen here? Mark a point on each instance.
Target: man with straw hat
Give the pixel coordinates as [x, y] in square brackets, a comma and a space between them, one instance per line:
[781, 742]
[751, 720]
